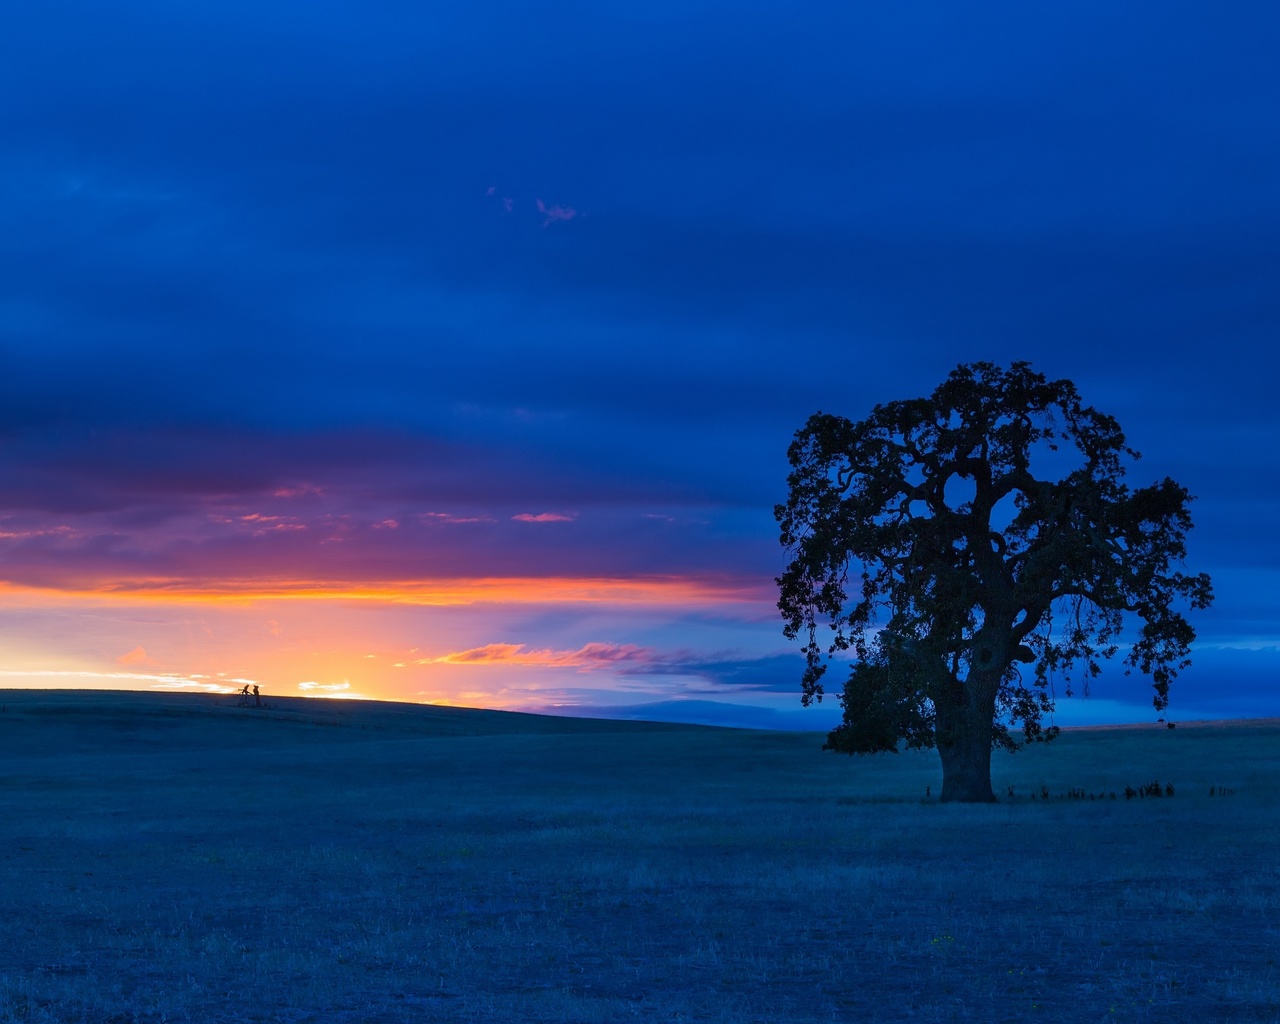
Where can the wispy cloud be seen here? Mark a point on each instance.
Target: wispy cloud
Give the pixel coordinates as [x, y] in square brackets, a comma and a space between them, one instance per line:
[63, 532]
[430, 518]
[508, 204]
[667, 591]
[343, 689]
[589, 656]
[551, 214]
[119, 680]
[545, 517]
[724, 672]
[137, 656]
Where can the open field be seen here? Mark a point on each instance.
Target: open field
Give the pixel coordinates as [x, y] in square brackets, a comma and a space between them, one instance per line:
[174, 858]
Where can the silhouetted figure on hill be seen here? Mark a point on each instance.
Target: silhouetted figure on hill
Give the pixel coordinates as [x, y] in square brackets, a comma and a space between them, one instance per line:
[244, 696]
[257, 700]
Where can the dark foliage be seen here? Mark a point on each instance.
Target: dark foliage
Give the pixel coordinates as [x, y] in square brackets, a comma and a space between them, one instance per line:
[946, 541]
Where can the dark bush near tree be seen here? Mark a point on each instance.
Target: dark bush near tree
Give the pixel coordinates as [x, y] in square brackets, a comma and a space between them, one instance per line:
[947, 541]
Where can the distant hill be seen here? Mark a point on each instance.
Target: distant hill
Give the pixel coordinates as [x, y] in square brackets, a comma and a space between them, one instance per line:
[129, 708]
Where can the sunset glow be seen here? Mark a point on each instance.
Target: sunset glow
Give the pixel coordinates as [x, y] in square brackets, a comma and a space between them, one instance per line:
[444, 641]
[637, 591]
[452, 354]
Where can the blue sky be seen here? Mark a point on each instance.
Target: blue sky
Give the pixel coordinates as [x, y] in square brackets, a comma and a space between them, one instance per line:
[550, 286]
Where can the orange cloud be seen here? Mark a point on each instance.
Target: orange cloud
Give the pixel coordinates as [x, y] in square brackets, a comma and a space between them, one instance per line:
[651, 590]
[134, 657]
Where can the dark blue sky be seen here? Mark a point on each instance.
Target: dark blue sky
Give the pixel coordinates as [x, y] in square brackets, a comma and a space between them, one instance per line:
[310, 269]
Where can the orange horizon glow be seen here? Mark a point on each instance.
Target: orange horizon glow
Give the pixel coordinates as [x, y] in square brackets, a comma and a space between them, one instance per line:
[658, 591]
[518, 643]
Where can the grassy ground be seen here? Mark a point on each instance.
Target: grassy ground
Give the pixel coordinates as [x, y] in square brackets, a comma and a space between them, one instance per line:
[176, 858]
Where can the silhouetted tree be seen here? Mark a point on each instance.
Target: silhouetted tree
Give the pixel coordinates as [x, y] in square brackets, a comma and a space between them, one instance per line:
[942, 559]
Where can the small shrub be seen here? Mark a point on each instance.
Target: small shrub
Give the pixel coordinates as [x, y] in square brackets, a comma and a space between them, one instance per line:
[1152, 788]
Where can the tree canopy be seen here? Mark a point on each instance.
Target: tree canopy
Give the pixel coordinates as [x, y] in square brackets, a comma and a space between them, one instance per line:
[934, 542]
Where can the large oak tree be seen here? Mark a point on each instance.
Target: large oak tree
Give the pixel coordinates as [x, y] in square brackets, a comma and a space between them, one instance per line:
[951, 543]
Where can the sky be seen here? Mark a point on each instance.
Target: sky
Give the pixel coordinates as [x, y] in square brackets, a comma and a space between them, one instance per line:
[450, 352]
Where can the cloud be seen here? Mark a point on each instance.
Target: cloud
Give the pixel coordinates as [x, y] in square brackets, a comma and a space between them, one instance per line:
[775, 673]
[187, 685]
[508, 204]
[137, 656]
[64, 532]
[725, 672]
[78, 678]
[311, 686]
[544, 517]
[260, 524]
[749, 597]
[589, 656]
[555, 213]
[340, 690]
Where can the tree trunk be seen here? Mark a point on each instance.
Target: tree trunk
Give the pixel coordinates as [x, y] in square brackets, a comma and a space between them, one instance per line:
[964, 731]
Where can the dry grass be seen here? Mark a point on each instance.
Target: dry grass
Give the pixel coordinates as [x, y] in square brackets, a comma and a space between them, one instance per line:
[175, 858]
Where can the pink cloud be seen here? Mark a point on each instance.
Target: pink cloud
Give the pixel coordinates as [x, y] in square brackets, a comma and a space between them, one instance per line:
[262, 524]
[544, 517]
[296, 491]
[589, 656]
[555, 213]
[55, 531]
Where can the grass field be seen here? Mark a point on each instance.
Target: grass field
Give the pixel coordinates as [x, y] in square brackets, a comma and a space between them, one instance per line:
[175, 858]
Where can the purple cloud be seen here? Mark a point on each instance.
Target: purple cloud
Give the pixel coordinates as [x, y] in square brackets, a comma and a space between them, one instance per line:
[555, 213]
